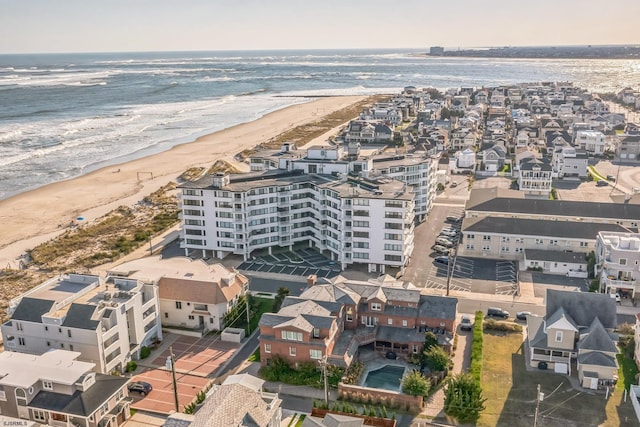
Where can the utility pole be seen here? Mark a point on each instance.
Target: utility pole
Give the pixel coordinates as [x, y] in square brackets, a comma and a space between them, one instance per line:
[150, 246]
[449, 273]
[170, 364]
[246, 298]
[539, 397]
[323, 365]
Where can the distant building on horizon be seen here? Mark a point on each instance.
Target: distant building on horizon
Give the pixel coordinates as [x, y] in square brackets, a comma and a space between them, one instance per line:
[436, 51]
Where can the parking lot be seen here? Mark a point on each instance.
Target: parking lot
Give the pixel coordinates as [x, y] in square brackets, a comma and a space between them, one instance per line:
[161, 399]
[302, 262]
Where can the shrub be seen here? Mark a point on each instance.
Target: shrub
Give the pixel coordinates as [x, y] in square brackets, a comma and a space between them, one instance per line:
[132, 366]
[502, 326]
[144, 352]
[188, 409]
[476, 347]
[626, 328]
[200, 396]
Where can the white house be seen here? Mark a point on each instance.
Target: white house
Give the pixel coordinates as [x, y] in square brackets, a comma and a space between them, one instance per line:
[106, 320]
[591, 141]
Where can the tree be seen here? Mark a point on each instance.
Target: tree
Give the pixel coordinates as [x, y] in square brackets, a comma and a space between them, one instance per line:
[415, 384]
[463, 398]
[282, 294]
[430, 340]
[591, 262]
[436, 359]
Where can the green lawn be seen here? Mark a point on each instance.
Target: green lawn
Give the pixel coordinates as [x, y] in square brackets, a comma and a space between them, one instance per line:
[511, 392]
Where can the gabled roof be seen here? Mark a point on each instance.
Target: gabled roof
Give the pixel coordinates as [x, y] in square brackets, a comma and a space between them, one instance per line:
[561, 320]
[491, 200]
[583, 307]
[32, 309]
[597, 338]
[540, 227]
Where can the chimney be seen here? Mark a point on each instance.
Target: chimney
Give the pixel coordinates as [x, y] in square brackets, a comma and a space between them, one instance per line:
[312, 279]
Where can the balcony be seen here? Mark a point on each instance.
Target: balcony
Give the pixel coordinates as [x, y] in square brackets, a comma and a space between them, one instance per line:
[611, 281]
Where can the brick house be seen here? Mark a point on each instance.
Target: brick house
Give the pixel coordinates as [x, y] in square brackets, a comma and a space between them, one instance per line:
[334, 320]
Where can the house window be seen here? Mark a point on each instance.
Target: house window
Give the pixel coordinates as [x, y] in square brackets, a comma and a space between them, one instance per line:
[69, 333]
[21, 341]
[19, 327]
[48, 343]
[267, 348]
[47, 385]
[349, 315]
[179, 305]
[390, 321]
[404, 323]
[46, 328]
[316, 333]
[70, 347]
[211, 320]
[375, 306]
[558, 336]
[486, 248]
[104, 408]
[623, 261]
[291, 336]
[315, 354]
[292, 351]
[415, 349]
[38, 415]
[191, 317]
[166, 315]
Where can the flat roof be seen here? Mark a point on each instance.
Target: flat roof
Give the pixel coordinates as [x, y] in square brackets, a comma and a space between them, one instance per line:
[58, 366]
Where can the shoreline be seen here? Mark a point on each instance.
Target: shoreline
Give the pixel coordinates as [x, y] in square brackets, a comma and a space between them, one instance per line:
[35, 216]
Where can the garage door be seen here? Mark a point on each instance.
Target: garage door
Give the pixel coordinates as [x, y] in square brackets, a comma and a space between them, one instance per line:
[561, 368]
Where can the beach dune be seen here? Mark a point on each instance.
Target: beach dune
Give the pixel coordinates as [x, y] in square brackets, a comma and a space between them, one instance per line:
[36, 216]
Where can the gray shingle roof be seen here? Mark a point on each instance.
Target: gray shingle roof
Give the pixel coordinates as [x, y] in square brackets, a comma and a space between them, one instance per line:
[32, 309]
[557, 256]
[598, 359]
[438, 307]
[80, 403]
[583, 307]
[399, 335]
[558, 208]
[79, 316]
[541, 227]
[597, 338]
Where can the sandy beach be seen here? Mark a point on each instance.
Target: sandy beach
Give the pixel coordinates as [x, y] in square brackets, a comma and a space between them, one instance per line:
[31, 218]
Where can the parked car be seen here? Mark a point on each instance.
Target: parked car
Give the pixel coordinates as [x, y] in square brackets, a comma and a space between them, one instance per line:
[452, 218]
[601, 183]
[448, 233]
[611, 177]
[497, 312]
[453, 184]
[442, 260]
[465, 324]
[442, 241]
[141, 387]
[441, 249]
[522, 315]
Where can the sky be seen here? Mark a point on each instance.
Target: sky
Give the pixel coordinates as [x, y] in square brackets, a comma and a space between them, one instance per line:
[50, 26]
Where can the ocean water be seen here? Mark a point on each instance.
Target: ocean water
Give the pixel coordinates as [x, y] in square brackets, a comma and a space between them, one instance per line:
[63, 115]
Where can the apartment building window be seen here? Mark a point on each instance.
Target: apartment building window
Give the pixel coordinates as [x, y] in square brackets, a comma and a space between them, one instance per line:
[376, 306]
[505, 238]
[361, 255]
[389, 321]
[504, 249]
[47, 385]
[21, 341]
[486, 237]
[393, 258]
[392, 247]
[360, 202]
[470, 246]
[471, 236]
[267, 348]
[362, 224]
[584, 244]
[404, 323]
[486, 247]
[291, 336]
[363, 234]
[392, 204]
[539, 241]
[361, 245]
[553, 242]
[392, 236]
[292, 351]
[315, 354]
[179, 305]
[393, 226]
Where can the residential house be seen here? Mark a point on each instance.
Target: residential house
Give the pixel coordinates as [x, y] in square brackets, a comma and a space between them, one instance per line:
[591, 141]
[238, 402]
[577, 327]
[333, 420]
[568, 161]
[618, 262]
[556, 139]
[106, 320]
[550, 125]
[628, 147]
[636, 340]
[493, 158]
[562, 262]
[334, 320]
[194, 296]
[534, 178]
[462, 138]
[58, 389]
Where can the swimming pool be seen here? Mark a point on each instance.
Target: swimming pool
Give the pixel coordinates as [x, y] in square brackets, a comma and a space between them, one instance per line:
[388, 377]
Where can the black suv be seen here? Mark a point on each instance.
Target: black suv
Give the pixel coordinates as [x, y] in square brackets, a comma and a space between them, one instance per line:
[140, 387]
[497, 312]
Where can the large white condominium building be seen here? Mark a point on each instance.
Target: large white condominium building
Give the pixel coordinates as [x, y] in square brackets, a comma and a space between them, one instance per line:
[106, 320]
[618, 258]
[352, 219]
[417, 170]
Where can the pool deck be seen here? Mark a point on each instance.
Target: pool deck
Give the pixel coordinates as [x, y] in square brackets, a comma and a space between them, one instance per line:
[379, 362]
